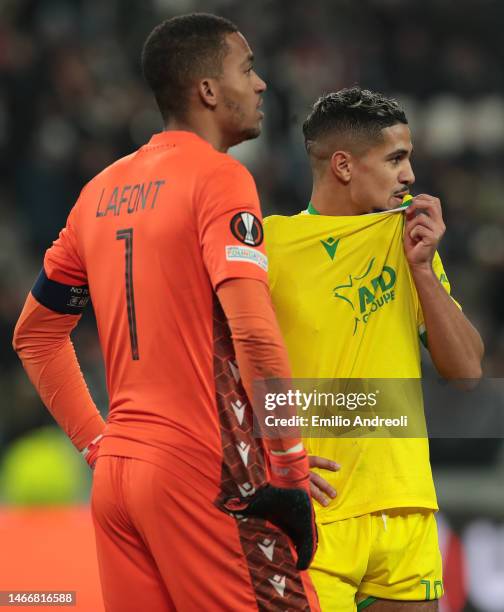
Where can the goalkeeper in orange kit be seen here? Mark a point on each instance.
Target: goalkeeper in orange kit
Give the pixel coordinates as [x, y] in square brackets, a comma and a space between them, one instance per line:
[168, 243]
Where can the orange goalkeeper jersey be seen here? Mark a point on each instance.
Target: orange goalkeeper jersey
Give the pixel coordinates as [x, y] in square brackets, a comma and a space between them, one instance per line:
[150, 238]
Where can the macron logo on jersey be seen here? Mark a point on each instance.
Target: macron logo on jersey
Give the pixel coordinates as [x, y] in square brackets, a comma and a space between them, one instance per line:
[279, 583]
[246, 489]
[243, 450]
[239, 410]
[267, 546]
[330, 245]
[234, 371]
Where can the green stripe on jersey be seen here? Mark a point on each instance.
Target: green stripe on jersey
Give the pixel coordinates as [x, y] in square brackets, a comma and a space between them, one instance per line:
[365, 603]
[311, 210]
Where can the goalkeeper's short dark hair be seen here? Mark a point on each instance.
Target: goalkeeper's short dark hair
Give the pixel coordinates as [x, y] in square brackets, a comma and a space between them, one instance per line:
[355, 114]
[178, 52]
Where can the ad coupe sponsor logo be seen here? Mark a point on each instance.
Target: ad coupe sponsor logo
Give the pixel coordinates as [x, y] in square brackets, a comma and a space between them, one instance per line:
[366, 293]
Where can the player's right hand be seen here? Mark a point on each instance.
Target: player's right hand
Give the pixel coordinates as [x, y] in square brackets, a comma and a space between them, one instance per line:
[285, 503]
[320, 489]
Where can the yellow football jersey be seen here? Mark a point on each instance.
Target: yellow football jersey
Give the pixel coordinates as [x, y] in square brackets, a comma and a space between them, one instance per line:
[348, 308]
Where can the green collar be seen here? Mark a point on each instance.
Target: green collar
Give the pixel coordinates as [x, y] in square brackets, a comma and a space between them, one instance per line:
[311, 210]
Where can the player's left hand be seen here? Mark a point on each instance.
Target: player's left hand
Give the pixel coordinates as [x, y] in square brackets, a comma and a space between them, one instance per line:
[290, 510]
[423, 230]
[90, 453]
[320, 489]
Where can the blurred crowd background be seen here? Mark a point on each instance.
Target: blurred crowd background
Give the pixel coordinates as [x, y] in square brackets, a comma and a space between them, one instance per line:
[72, 100]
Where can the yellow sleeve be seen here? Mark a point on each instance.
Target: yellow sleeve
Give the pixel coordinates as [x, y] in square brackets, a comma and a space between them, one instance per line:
[439, 271]
[268, 223]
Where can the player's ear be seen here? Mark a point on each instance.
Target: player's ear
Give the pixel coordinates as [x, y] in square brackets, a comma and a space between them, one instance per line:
[207, 92]
[341, 166]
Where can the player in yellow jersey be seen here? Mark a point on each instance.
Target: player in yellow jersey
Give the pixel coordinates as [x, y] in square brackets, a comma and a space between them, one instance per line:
[356, 280]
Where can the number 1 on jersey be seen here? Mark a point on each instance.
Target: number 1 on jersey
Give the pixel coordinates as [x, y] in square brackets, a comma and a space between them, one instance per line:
[127, 236]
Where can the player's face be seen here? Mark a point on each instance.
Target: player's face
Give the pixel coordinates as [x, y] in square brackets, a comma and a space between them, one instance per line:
[240, 93]
[382, 176]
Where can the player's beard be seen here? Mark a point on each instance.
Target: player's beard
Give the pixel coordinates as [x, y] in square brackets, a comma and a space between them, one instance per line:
[238, 123]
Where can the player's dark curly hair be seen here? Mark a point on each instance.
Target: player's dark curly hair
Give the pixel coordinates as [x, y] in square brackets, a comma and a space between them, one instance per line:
[355, 113]
[180, 51]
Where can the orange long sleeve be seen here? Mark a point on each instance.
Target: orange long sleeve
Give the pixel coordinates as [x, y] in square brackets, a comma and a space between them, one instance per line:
[42, 341]
[258, 343]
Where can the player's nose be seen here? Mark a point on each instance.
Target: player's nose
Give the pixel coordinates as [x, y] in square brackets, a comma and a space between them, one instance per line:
[260, 85]
[407, 175]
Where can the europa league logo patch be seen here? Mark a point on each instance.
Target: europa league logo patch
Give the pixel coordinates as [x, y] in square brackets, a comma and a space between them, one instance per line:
[247, 228]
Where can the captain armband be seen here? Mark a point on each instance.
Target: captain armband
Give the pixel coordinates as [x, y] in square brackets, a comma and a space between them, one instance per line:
[60, 297]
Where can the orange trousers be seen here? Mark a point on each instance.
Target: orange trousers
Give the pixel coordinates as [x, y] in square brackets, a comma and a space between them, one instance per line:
[163, 545]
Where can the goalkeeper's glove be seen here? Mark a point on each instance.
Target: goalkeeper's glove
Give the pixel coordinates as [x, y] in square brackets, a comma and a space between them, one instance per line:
[286, 503]
[90, 453]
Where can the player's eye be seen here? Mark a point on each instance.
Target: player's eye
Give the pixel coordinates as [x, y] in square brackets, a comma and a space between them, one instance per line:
[249, 70]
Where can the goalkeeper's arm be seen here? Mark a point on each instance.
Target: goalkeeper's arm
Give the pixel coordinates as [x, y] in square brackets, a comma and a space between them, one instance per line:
[261, 355]
[42, 341]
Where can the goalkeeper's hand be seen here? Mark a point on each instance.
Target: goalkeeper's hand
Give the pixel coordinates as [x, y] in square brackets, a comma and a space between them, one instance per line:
[285, 502]
[90, 453]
